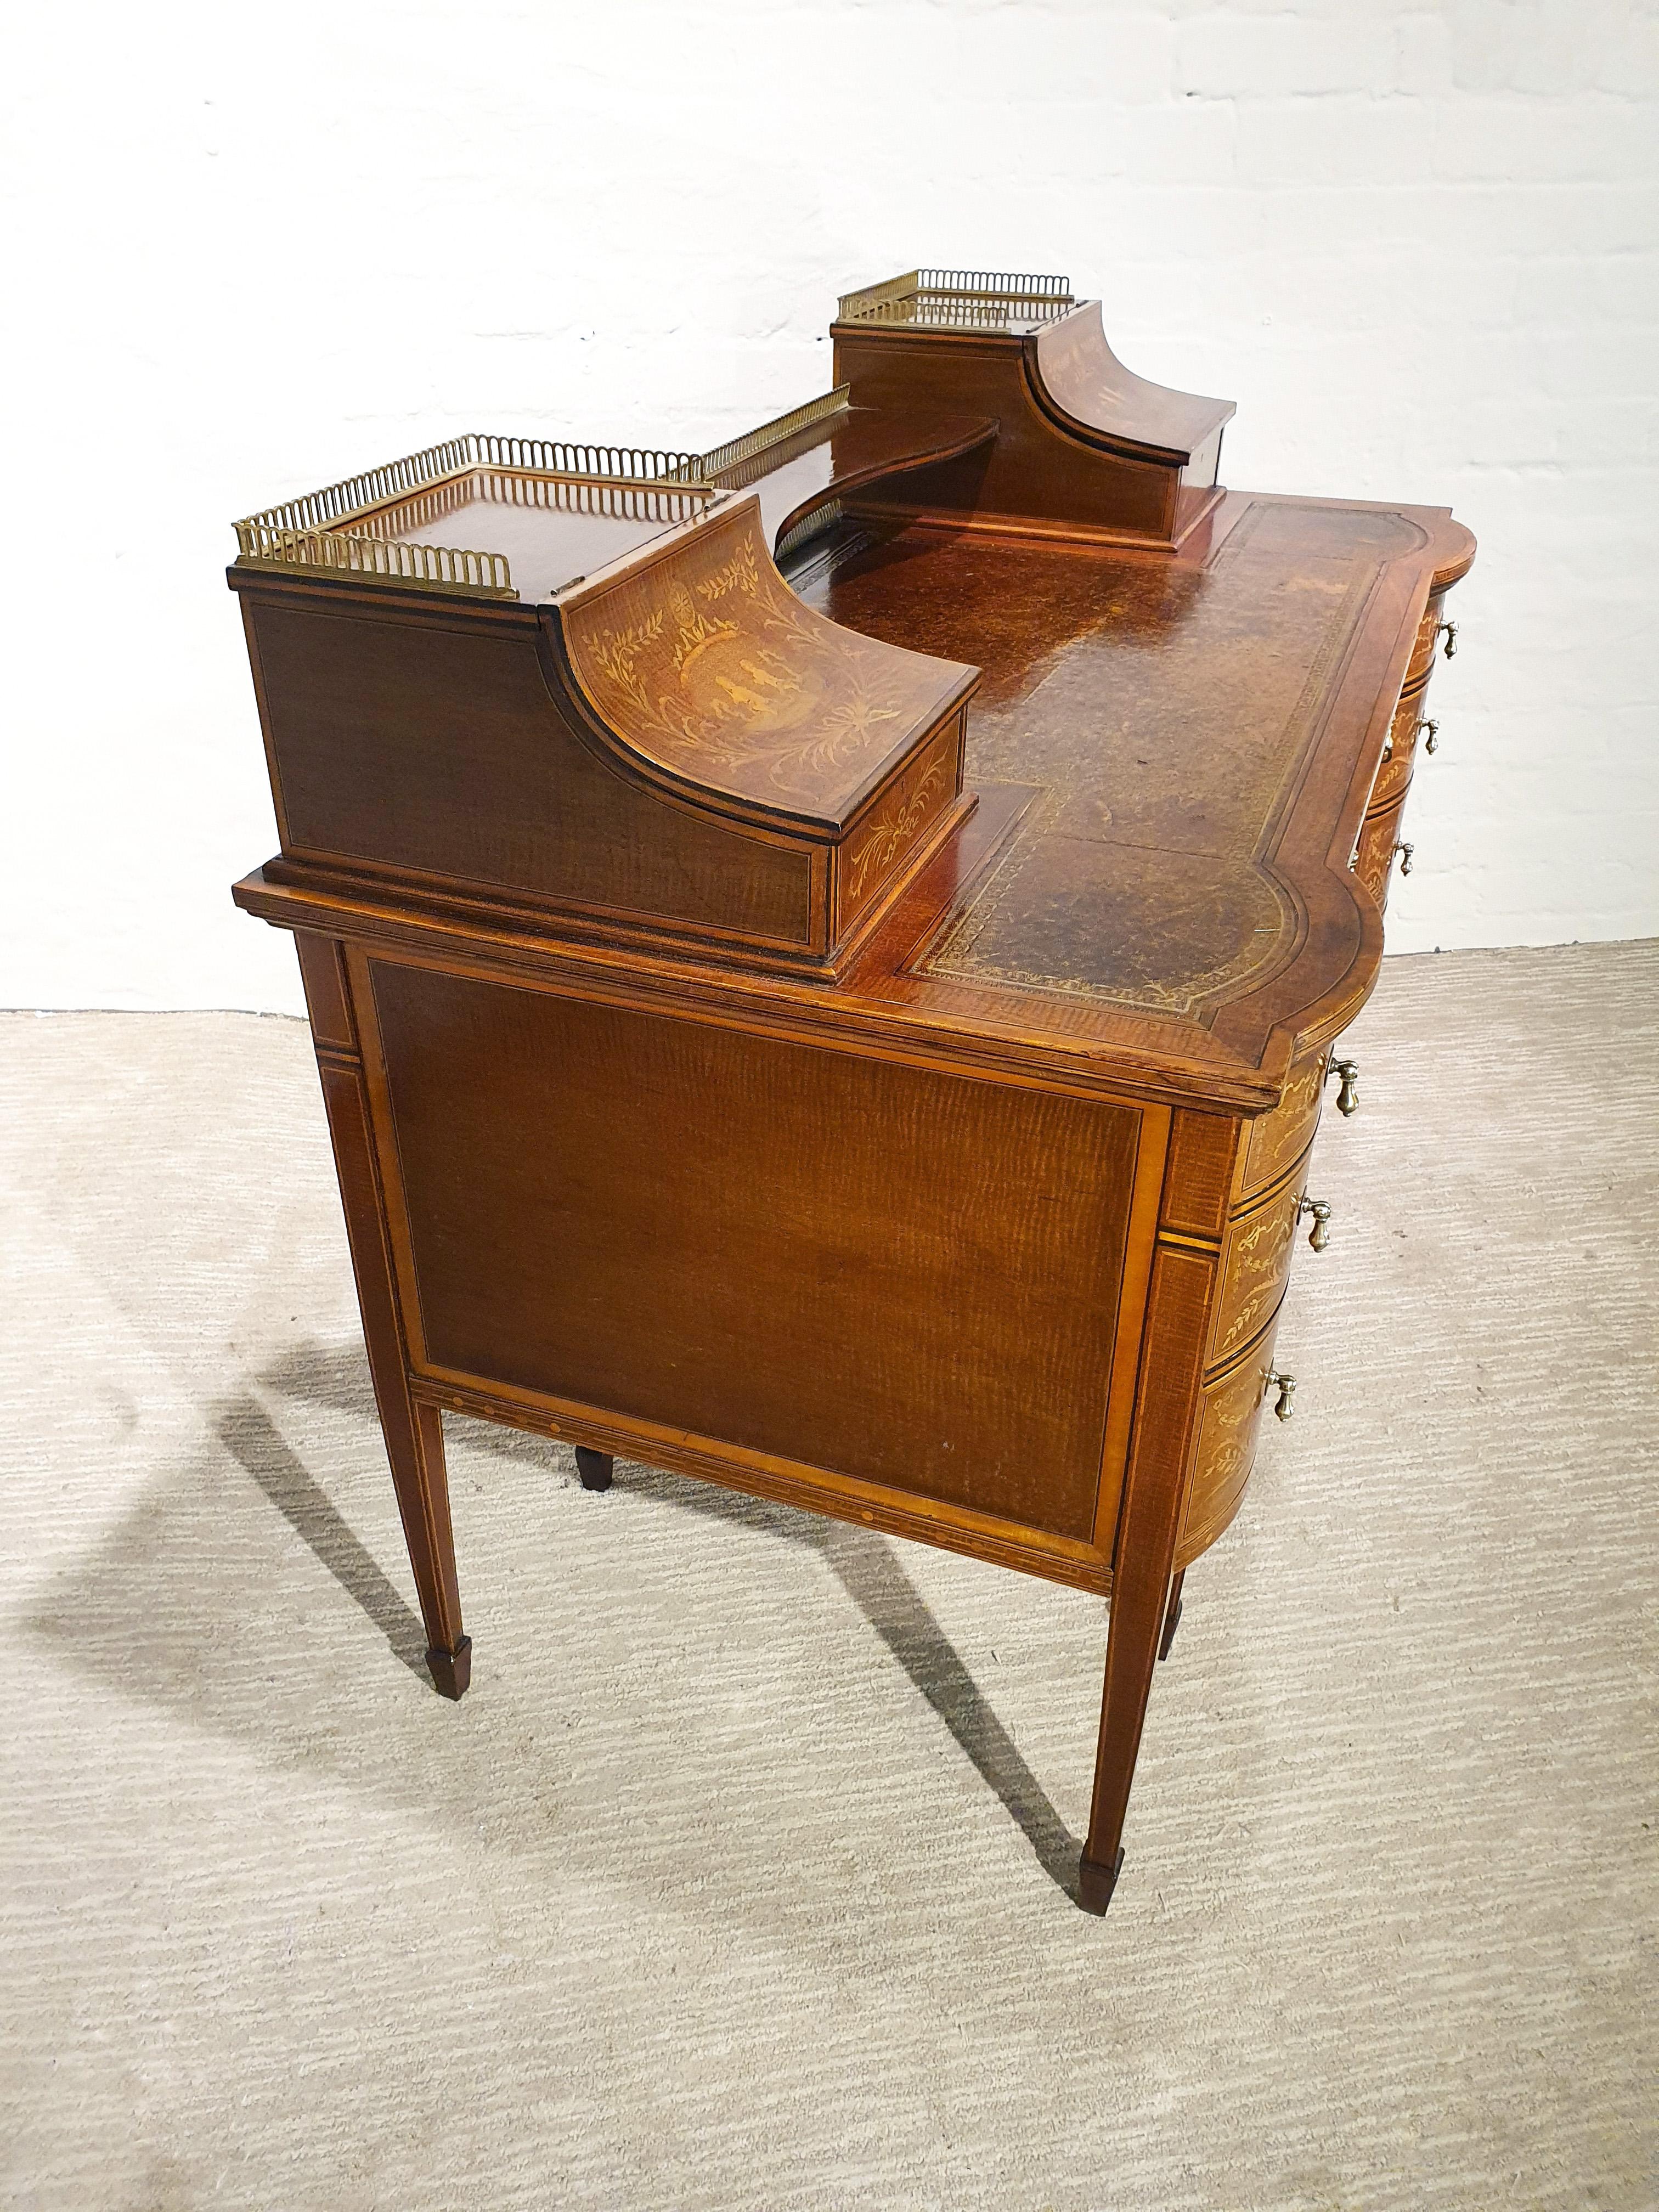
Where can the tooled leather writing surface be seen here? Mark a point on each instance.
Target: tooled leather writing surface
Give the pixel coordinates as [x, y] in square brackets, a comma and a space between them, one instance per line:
[1165, 709]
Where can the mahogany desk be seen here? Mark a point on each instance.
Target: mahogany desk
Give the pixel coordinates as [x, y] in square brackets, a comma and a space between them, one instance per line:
[823, 955]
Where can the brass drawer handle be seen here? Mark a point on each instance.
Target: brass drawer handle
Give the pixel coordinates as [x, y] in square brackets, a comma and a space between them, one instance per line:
[1405, 853]
[1429, 730]
[1449, 631]
[1348, 1098]
[1320, 1234]
[1286, 1386]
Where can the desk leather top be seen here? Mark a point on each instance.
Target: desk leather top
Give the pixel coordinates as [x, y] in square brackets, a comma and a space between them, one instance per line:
[1175, 751]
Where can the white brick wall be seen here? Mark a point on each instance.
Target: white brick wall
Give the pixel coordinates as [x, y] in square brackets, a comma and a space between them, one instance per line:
[249, 250]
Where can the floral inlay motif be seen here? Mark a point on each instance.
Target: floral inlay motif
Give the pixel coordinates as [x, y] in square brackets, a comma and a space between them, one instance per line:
[1228, 1438]
[1255, 1270]
[893, 828]
[710, 660]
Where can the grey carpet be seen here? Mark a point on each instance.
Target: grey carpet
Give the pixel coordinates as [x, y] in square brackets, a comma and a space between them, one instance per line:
[737, 1880]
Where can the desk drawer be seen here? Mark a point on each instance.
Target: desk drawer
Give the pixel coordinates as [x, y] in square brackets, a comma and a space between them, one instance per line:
[1373, 860]
[1277, 1138]
[1396, 770]
[1255, 1259]
[1229, 1428]
[1428, 636]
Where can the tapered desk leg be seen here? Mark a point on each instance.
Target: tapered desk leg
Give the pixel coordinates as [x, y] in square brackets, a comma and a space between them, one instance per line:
[414, 1432]
[422, 1487]
[1143, 1569]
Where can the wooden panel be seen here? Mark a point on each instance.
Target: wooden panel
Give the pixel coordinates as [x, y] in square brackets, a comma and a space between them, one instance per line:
[328, 995]
[1080, 378]
[1229, 1429]
[413, 744]
[1373, 860]
[897, 824]
[824, 462]
[952, 1527]
[1198, 1175]
[902, 1276]
[1278, 1138]
[1035, 472]
[1255, 1259]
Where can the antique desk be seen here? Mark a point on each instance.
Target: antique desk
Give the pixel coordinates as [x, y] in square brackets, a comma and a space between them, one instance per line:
[824, 955]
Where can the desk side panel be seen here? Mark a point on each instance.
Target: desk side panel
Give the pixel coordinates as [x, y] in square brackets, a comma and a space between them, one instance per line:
[410, 743]
[904, 1278]
[1035, 473]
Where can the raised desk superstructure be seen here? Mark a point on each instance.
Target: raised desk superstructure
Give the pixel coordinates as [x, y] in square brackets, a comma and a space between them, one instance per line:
[824, 955]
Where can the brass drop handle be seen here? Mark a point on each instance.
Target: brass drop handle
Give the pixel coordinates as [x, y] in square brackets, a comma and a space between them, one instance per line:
[1405, 853]
[1286, 1386]
[1428, 730]
[1449, 631]
[1348, 1098]
[1320, 1234]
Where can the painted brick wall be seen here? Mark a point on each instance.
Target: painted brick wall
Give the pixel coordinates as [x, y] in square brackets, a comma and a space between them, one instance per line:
[250, 251]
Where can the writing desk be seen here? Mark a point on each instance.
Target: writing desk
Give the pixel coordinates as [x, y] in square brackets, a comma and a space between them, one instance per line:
[823, 955]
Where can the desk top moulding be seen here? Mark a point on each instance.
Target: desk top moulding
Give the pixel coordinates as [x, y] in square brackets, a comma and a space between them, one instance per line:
[824, 953]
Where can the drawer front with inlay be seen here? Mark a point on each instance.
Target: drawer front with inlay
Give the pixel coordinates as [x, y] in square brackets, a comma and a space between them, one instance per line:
[1373, 861]
[1428, 636]
[1394, 772]
[1229, 1427]
[1255, 1262]
[1278, 1138]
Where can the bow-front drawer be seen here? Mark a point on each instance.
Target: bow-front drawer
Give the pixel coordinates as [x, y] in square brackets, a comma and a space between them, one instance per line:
[1379, 841]
[1229, 1428]
[1429, 631]
[1278, 1138]
[1395, 771]
[1255, 1259]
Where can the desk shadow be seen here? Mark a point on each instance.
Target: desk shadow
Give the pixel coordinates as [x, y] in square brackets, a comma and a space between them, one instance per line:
[863, 1562]
[245, 1428]
[872, 1577]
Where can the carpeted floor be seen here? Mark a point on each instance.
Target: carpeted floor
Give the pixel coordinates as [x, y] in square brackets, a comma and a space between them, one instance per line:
[736, 1881]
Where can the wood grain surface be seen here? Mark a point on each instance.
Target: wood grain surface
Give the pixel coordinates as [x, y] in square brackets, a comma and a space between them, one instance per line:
[890, 1274]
